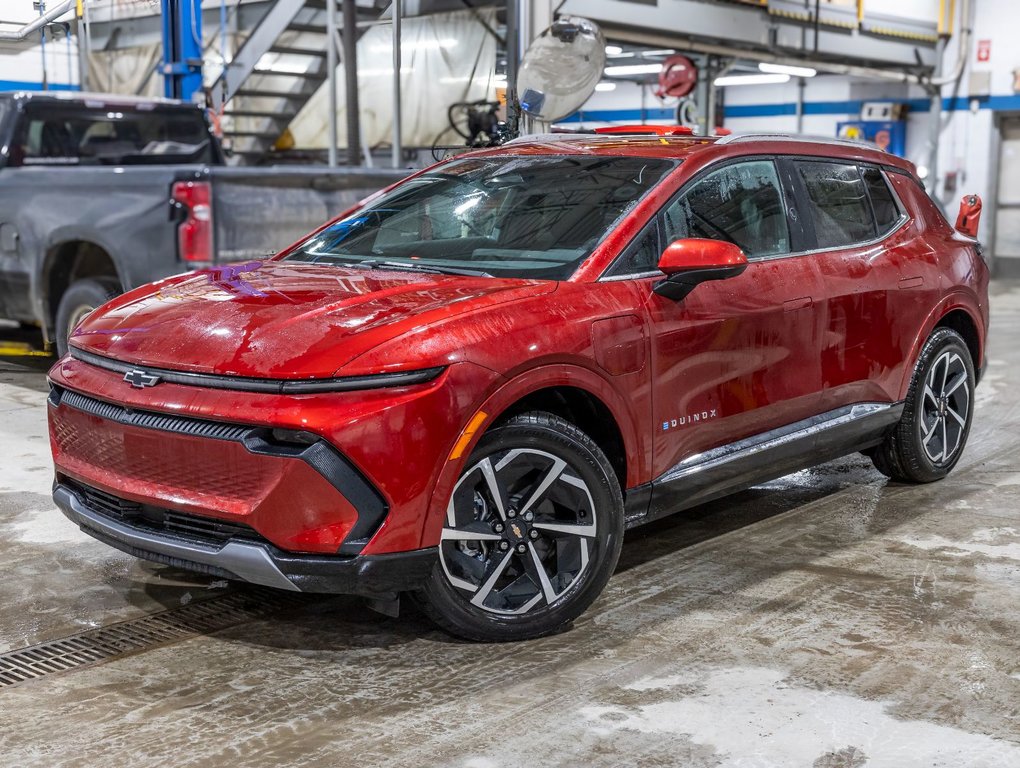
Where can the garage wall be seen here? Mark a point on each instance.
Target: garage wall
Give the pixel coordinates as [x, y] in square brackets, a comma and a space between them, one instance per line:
[21, 68]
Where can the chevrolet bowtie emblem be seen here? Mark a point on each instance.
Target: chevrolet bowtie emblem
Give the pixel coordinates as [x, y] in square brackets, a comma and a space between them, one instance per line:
[140, 379]
[516, 530]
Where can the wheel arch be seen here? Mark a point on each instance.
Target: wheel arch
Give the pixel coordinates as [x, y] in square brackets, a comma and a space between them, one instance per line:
[958, 316]
[68, 261]
[960, 321]
[576, 394]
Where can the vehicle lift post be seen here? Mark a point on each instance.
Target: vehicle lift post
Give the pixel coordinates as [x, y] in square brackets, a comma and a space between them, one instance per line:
[181, 66]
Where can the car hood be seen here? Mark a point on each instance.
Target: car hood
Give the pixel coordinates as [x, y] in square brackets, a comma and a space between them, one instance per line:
[282, 319]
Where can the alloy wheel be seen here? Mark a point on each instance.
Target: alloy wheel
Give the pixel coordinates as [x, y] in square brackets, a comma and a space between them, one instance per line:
[520, 531]
[944, 408]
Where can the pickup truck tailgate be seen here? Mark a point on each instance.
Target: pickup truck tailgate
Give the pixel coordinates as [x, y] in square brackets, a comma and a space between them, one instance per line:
[257, 211]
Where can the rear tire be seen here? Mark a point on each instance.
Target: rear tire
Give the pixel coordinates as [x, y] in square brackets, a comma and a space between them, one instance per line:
[929, 439]
[81, 297]
[546, 507]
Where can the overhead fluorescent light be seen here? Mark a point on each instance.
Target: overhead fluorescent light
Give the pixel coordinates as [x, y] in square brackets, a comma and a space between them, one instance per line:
[633, 69]
[613, 50]
[783, 69]
[721, 82]
[659, 52]
[605, 87]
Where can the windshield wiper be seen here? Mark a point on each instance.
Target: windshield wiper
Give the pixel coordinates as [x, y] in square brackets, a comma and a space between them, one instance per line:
[412, 267]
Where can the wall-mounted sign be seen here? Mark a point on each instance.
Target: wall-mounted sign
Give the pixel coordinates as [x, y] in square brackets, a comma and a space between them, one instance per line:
[984, 50]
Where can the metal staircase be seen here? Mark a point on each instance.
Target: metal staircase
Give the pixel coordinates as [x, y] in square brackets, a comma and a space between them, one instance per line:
[275, 72]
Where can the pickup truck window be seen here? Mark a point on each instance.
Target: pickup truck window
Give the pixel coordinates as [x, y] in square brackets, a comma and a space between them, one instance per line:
[505, 216]
[115, 135]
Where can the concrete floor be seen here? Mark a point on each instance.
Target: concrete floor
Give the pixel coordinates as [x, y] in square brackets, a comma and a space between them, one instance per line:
[829, 619]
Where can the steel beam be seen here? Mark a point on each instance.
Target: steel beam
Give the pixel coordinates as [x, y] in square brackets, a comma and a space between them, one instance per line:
[181, 65]
[672, 22]
[331, 65]
[398, 145]
[350, 59]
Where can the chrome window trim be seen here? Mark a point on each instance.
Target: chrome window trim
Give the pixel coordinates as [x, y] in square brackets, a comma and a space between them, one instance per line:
[635, 276]
[852, 246]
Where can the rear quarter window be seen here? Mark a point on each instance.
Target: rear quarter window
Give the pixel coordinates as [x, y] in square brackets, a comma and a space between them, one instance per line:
[887, 212]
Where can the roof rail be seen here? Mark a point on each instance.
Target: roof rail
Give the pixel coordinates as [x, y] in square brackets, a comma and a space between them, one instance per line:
[737, 137]
[599, 134]
[549, 137]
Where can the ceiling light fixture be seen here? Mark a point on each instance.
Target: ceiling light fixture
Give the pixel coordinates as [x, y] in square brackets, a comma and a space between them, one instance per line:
[633, 69]
[605, 87]
[785, 69]
[721, 82]
[659, 52]
[613, 50]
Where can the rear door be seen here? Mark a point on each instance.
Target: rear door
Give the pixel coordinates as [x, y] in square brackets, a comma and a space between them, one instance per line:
[736, 357]
[878, 277]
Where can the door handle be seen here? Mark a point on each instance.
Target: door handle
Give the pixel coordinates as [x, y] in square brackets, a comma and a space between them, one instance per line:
[794, 304]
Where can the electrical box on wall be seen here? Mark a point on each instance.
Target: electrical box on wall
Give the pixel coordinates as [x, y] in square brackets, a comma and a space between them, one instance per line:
[890, 135]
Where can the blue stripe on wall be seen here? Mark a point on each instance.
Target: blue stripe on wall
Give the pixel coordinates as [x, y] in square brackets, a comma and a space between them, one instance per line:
[25, 85]
[614, 115]
[850, 108]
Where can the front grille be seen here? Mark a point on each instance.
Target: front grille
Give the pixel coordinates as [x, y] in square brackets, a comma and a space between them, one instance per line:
[153, 518]
[106, 504]
[149, 419]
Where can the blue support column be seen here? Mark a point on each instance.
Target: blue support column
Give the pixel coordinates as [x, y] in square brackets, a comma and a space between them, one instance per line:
[181, 66]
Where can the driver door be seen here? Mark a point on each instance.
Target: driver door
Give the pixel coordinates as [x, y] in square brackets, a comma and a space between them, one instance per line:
[737, 357]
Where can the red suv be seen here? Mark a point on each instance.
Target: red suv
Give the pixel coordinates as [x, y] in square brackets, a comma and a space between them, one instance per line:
[468, 387]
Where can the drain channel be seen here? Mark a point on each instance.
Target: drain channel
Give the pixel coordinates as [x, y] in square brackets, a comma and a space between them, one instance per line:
[98, 645]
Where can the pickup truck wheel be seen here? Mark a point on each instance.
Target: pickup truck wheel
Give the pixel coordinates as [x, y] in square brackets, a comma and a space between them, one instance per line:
[532, 533]
[931, 434]
[78, 300]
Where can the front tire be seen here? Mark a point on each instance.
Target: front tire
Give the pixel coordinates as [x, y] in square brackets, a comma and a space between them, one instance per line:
[532, 533]
[929, 439]
[81, 297]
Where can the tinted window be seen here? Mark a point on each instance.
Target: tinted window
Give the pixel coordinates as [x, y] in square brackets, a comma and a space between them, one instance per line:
[75, 135]
[740, 203]
[643, 256]
[508, 216]
[887, 213]
[839, 203]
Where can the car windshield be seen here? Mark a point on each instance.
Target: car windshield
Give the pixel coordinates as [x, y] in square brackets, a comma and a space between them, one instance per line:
[507, 216]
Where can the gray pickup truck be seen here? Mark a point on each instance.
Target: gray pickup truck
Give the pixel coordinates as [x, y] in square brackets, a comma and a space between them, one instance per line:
[102, 193]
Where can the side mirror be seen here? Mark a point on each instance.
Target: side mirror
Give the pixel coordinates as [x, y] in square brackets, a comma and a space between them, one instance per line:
[970, 216]
[687, 263]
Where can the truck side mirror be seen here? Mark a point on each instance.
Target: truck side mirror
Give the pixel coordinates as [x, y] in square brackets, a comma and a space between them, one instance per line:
[970, 216]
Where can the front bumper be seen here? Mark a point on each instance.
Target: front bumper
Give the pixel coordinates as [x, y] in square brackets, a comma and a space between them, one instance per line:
[256, 562]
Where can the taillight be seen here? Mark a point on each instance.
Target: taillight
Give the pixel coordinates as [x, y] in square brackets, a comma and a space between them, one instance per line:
[195, 232]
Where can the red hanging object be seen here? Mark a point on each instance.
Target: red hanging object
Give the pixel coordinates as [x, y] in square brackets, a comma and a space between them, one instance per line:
[678, 77]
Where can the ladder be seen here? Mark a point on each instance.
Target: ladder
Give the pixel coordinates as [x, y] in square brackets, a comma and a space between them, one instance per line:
[274, 73]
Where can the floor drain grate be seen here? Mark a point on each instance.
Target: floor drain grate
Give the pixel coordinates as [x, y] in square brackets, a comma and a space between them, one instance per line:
[98, 645]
